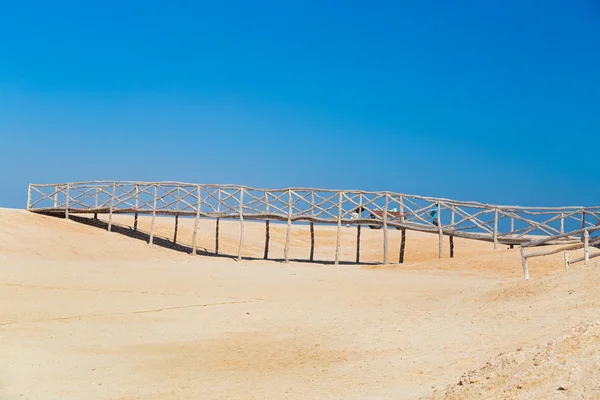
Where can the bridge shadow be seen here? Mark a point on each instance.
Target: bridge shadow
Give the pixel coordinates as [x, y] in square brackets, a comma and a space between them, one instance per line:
[159, 241]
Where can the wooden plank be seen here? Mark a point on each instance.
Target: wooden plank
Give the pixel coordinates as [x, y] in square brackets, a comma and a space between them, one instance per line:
[339, 230]
[196, 221]
[241, 216]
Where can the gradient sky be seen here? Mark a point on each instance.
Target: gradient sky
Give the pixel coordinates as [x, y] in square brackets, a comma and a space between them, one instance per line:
[495, 101]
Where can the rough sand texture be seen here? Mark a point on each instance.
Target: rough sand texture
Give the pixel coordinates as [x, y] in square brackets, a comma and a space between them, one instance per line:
[85, 313]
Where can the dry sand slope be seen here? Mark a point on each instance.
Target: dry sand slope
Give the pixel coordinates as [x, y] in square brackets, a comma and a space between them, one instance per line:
[85, 313]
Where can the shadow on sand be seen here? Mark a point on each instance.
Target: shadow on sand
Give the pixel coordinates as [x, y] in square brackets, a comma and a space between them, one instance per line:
[171, 245]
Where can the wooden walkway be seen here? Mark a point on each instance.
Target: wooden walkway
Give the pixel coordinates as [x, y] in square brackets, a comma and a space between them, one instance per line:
[507, 225]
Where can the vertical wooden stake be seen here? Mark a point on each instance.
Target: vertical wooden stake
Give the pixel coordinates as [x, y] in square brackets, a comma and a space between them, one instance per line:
[512, 225]
[137, 206]
[312, 226]
[176, 228]
[288, 232]
[440, 231]
[401, 208]
[385, 230]
[339, 230]
[582, 222]
[566, 260]
[495, 229]
[196, 222]
[562, 223]
[267, 228]
[586, 247]
[96, 204]
[217, 236]
[151, 240]
[56, 190]
[358, 228]
[112, 202]
[312, 241]
[28, 196]
[218, 221]
[402, 245]
[524, 263]
[452, 218]
[67, 202]
[241, 214]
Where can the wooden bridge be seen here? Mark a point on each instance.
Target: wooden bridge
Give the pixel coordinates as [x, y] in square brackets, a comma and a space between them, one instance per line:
[500, 225]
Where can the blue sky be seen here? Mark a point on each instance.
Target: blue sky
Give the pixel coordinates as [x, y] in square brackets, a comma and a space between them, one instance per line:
[496, 101]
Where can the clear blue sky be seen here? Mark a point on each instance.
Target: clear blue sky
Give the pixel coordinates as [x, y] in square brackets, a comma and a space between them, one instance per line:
[495, 101]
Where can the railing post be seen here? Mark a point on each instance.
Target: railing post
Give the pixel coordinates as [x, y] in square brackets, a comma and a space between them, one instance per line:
[524, 263]
[452, 219]
[112, 202]
[151, 240]
[586, 247]
[241, 216]
[137, 206]
[96, 203]
[267, 228]
[288, 232]
[339, 230]
[495, 229]
[196, 222]
[562, 223]
[582, 221]
[67, 201]
[28, 197]
[440, 231]
[385, 230]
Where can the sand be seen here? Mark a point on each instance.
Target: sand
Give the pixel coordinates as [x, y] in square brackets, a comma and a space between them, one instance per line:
[85, 313]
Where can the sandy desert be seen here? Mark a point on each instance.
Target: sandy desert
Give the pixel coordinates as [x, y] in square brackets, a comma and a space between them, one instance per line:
[91, 314]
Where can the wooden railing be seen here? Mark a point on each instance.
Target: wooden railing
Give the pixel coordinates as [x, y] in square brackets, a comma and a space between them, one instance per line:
[508, 225]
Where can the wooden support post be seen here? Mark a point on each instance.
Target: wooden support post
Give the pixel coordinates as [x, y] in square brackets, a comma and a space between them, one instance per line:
[241, 216]
[312, 241]
[312, 226]
[512, 225]
[402, 245]
[96, 204]
[586, 247]
[267, 228]
[176, 228]
[218, 221]
[151, 240]
[358, 244]
[385, 230]
[112, 202]
[440, 231]
[56, 190]
[401, 208]
[196, 222]
[28, 196]
[137, 206]
[566, 260]
[452, 219]
[495, 229]
[217, 236]
[358, 228]
[339, 230]
[288, 232]
[582, 222]
[67, 201]
[562, 223]
[524, 263]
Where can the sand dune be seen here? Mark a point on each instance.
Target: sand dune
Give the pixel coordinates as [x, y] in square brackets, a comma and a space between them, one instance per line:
[90, 314]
